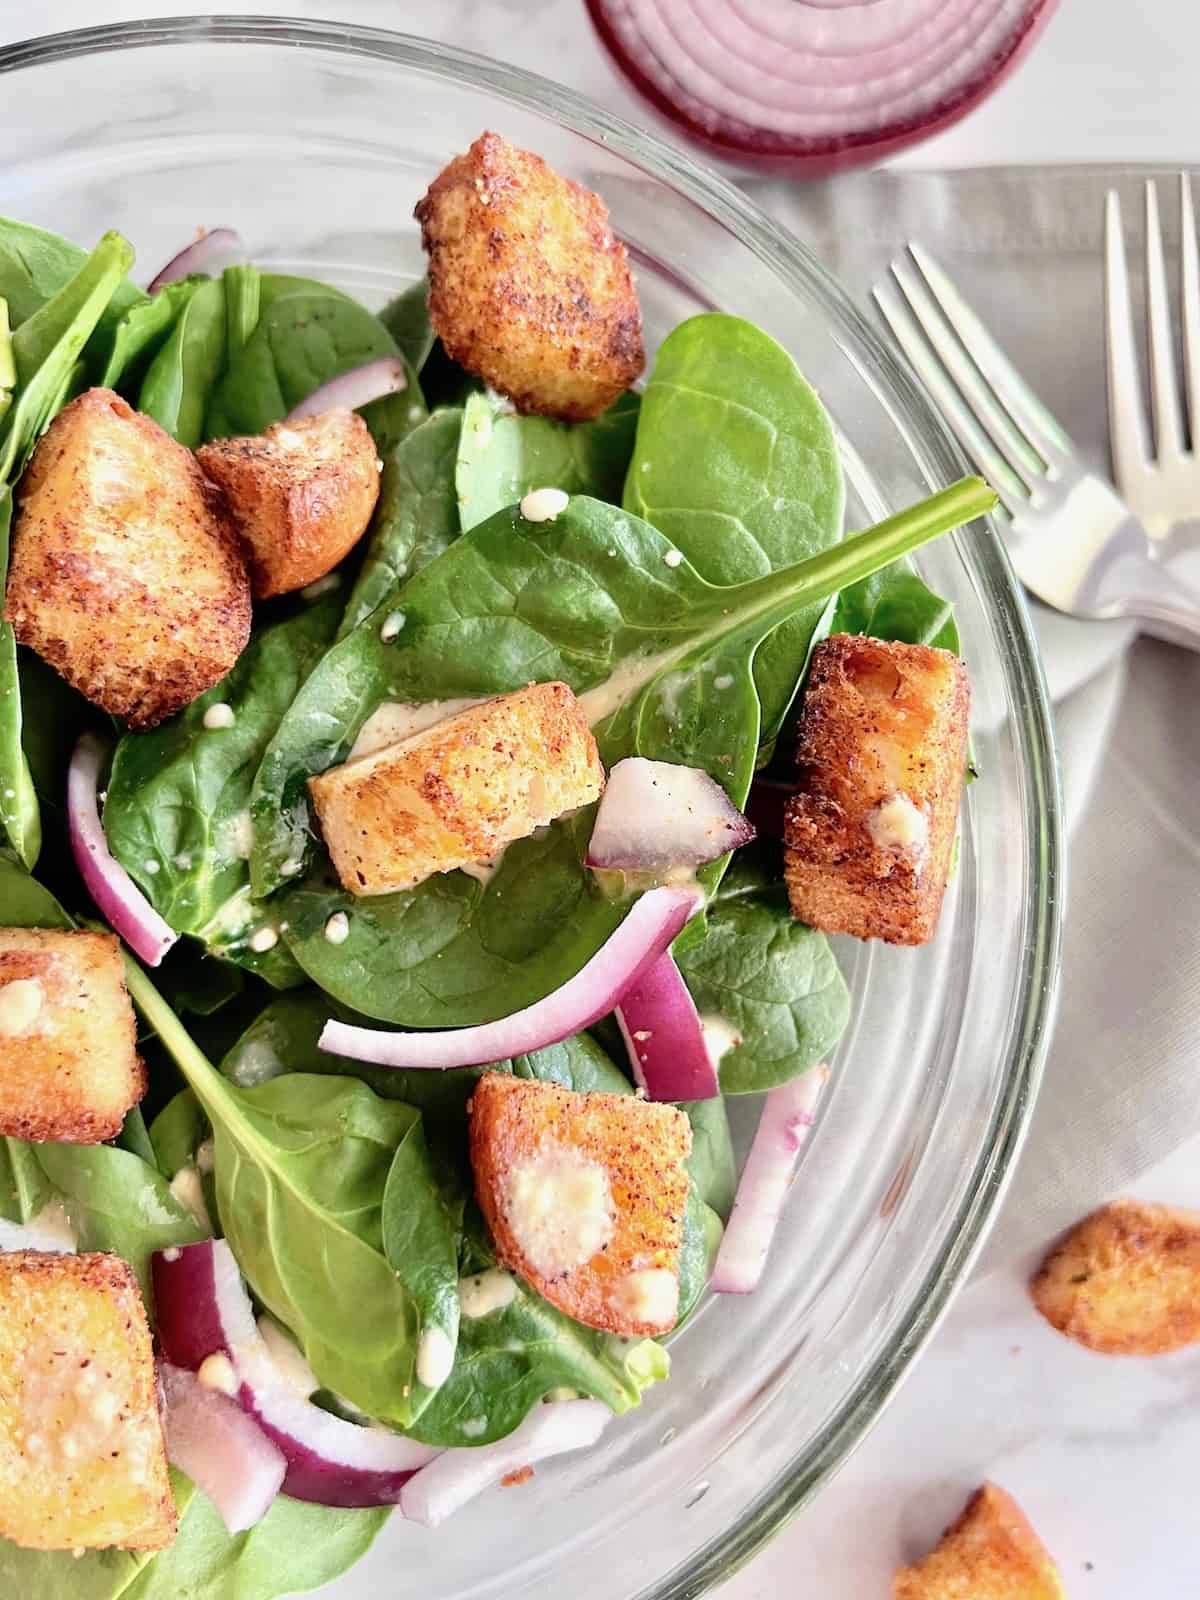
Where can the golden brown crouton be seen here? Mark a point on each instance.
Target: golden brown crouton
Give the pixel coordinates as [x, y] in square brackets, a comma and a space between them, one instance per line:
[584, 1195]
[460, 791]
[990, 1553]
[1125, 1281]
[528, 287]
[124, 575]
[300, 494]
[69, 1067]
[83, 1465]
[881, 752]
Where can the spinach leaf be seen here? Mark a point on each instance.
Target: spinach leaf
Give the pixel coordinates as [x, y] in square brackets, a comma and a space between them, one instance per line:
[118, 1202]
[502, 456]
[702, 1231]
[35, 265]
[243, 300]
[176, 815]
[20, 815]
[8, 370]
[406, 318]
[140, 332]
[897, 604]
[135, 1137]
[306, 333]
[95, 1575]
[24, 1187]
[26, 903]
[296, 1547]
[180, 379]
[775, 982]
[47, 347]
[177, 1133]
[302, 1164]
[712, 1165]
[737, 464]
[587, 599]
[416, 517]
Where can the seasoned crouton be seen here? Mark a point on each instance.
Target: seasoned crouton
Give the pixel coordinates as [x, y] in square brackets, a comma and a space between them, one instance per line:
[83, 1465]
[881, 753]
[990, 1553]
[69, 1067]
[124, 575]
[1126, 1280]
[458, 792]
[300, 494]
[528, 287]
[584, 1195]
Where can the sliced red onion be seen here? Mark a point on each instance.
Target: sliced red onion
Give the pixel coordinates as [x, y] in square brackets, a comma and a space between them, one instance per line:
[663, 1034]
[120, 902]
[655, 815]
[329, 1461]
[656, 919]
[210, 253]
[203, 1310]
[809, 87]
[459, 1475]
[350, 390]
[201, 1303]
[787, 1115]
[221, 1449]
[767, 804]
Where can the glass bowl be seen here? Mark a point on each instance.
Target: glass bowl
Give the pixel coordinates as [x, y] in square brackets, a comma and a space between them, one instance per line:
[315, 141]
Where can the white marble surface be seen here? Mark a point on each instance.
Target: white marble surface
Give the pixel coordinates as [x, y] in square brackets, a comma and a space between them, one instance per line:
[1101, 1452]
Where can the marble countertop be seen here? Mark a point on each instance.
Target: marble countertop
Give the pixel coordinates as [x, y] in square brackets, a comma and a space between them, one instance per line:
[1099, 1451]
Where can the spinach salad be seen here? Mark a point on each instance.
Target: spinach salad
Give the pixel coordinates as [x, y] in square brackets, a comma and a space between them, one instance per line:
[692, 564]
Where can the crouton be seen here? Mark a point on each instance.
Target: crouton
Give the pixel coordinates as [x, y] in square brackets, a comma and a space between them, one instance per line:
[528, 287]
[881, 753]
[584, 1195]
[69, 1067]
[1125, 1281]
[300, 494]
[990, 1553]
[124, 575]
[83, 1465]
[458, 792]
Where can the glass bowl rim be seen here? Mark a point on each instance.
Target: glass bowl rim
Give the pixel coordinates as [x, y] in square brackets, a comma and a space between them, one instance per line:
[938, 460]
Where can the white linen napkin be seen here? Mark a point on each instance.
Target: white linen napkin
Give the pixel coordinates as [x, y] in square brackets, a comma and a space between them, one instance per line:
[1122, 1084]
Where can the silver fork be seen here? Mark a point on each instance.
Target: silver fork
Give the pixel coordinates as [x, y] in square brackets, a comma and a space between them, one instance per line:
[1074, 543]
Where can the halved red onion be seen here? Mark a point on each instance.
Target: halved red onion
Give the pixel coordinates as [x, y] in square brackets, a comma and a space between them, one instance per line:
[350, 390]
[222, 1450]
[329, 1461]
[119, 900]
[809, 87]
[203, 1310]
[787, 1115]
[457, 1476]
[200, 1301]
[214, 250]
[655, 815]
[594, 991]
[767, 804]
[663, 1034]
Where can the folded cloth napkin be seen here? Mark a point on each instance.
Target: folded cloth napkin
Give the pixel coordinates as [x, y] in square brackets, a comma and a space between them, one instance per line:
[1122, 1087]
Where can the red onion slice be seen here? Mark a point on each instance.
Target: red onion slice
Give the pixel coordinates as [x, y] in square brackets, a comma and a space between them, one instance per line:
[814, 86]
[350, 390]
[120, 902]
[220, 1448]
[655, 815]
[200, 1301]
[655, 920]
[210, 253]
[664, 1036]
[787, 1115]
[459, 1475]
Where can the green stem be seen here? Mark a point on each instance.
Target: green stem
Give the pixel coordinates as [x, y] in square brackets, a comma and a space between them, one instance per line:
[203, 1078]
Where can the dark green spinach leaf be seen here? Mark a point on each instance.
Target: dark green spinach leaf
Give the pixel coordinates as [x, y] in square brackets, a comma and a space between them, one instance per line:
[20, 815]
[140, 333]
[35, 265]
[406, 318]
[897, 604]
[180, 380]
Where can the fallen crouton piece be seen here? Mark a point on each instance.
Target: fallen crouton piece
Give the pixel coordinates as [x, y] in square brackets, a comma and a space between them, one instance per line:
[83, 1465]
[69, 1067]
[1125, 1281]
[124, 574]
[528, 287]
[458, 792]
[584, 1195]
[300, 494]
[881, 752]
[990, 1553]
